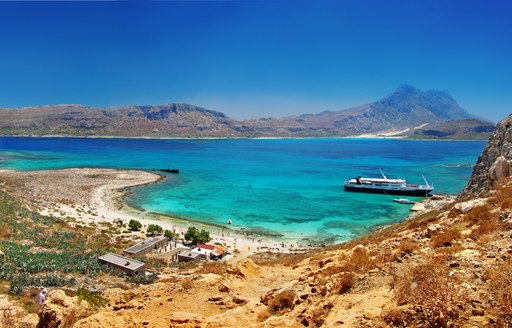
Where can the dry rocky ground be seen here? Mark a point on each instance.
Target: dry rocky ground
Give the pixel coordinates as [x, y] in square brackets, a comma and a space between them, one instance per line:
[450, 267]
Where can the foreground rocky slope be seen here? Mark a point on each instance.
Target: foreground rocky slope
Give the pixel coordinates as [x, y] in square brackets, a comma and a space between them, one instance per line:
[449, 266]
[401, 112]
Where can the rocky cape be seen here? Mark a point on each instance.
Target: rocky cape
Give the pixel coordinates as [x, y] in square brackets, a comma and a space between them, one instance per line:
[404, 112]
[495, 163]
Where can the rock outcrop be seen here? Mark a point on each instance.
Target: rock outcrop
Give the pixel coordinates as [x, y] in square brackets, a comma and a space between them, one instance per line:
[494, 164]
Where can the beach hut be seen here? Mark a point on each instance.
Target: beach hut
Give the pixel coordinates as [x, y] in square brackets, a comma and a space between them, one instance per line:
[204, 250]
[188, 256]
[147, 246]
[128, 265]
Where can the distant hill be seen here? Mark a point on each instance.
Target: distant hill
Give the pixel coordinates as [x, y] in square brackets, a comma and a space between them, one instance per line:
[402, 112]
[169, 120]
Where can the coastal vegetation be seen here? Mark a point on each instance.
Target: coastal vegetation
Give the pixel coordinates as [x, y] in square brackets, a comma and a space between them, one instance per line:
[195, 235]
[154, 229]
[134, 225]
[38, 250]
[93, 298]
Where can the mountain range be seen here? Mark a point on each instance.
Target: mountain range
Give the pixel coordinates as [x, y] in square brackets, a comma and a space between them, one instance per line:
[405, 112]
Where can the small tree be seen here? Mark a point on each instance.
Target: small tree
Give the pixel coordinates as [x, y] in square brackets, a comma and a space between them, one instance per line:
[171, 235]
[154, 229]
[196, 236]
[191, 234]
[203, 237]
[134, 225]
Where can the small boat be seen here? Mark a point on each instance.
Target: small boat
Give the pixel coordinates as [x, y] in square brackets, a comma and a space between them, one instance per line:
[169, 170]
[403, 201]
[388, 186]
[173, 171]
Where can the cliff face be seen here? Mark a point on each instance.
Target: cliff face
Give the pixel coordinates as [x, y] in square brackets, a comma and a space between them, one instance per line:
[494, 164]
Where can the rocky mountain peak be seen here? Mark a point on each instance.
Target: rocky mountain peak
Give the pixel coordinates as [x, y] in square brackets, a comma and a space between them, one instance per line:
[440, 104]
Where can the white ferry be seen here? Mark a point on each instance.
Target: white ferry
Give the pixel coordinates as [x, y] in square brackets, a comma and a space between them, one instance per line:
[388, 186]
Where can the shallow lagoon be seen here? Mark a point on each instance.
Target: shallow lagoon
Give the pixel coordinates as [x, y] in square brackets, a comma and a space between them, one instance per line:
[290, 186]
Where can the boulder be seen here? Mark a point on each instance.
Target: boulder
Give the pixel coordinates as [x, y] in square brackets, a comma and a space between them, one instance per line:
[465, 207]
[501, 168]
[48, 318]
[187, 320]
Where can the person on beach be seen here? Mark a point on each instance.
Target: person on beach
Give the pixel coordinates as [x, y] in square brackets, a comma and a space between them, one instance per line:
[41, 298]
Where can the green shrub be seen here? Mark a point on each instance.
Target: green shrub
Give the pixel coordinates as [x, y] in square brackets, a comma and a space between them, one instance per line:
[142, 279]
[196, 236]
[134, 225]
[154, 229]
[169, 234]
[94, 298]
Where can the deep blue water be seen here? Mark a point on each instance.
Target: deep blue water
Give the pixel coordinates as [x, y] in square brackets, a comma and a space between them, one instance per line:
[294, 186]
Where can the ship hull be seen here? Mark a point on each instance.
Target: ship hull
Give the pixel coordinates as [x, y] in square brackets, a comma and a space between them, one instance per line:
[413, 192]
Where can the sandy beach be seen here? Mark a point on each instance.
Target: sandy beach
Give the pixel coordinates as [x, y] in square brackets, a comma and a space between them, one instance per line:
[92, 195]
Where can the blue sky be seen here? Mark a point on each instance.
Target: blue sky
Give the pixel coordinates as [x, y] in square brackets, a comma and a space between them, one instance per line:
[255, 58]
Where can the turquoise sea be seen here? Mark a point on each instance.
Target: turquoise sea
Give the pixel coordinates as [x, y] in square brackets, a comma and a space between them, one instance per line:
[290, 186]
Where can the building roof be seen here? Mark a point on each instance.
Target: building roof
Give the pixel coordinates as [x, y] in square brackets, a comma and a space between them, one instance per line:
[218, 251]
[148, 243]
[188, 253]
[121, 261]
[205, 246]
[202, 251]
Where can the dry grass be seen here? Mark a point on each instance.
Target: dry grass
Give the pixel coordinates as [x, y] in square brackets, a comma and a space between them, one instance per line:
[430, 290]
[446, 238]
[316, 316]
[483, 220]
[499, 279]
[386, 256]
[423, 220]
[290, 260]
[503, 195]
[485, 228]
[187, 283]
[219, 268]
[5, 231]
[282, 301]
[360, 261]
[408, 247]
[396, 317]
[344, 283]
[479, 214]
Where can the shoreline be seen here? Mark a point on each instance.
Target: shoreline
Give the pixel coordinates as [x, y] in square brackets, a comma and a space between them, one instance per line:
[91, 195]
[364, 136]
[100, 196]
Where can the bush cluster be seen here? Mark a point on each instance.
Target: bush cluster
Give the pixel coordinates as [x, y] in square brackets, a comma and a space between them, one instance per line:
[196, 236]
[94, 298]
